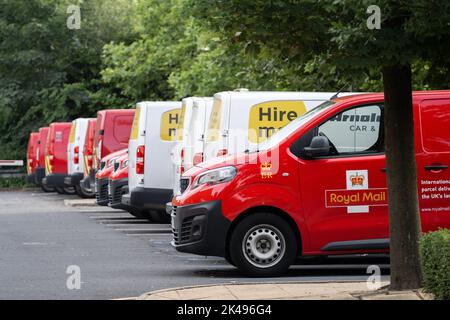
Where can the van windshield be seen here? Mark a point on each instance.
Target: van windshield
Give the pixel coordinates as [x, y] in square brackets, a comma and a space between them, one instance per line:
[287, 130]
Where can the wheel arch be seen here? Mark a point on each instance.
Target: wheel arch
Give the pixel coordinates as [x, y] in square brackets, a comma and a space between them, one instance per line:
[267, 209]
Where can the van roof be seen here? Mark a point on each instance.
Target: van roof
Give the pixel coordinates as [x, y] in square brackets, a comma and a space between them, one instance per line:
[380, 95]
[158, 103]
[277, 94]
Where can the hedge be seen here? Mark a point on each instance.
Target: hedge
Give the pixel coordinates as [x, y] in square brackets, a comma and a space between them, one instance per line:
[435, 252]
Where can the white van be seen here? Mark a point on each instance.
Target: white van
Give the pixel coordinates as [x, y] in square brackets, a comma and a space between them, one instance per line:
[241, 119]
[182, 155]
[191, 135]
[150, 173]
[75, 156]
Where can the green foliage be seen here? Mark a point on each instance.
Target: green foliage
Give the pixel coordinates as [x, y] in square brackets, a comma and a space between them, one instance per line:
[132, 50]
[13, 183]
[435, 252]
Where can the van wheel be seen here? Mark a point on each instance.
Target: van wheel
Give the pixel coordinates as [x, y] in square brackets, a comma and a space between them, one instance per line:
[263, 245]
[83, 193]
[70, 190]
[60, 190]
[138, 213]
[47, 188]
[159, 216]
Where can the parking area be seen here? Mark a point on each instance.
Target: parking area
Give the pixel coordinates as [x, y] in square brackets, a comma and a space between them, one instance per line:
[117, 254]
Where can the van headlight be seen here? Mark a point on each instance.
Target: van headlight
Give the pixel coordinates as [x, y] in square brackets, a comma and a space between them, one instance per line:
[215, 176]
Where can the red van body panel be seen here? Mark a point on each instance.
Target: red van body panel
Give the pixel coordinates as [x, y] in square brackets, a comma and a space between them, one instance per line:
[57, 141]
[31, 152]
[102, 176]
[112, 132]
[42, 144]
[315, 194]
[88, 146]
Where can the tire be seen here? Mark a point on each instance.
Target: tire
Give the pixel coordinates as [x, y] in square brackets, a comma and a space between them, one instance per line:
[137, 213]
[47, 188]
[83, 193]
[60, 190]
[159, 216]
[263, 245]
[69, 190]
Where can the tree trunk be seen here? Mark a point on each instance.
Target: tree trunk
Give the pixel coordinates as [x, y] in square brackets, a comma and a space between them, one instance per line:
[404, 218]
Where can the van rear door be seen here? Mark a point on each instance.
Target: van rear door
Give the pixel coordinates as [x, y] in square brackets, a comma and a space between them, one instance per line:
[433, 163]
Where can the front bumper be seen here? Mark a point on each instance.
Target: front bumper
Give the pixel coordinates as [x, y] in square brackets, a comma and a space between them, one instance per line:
[39, 175]
[116, 190]
[200, 229]
[101, 191]
[150, 198]
[74, 179]
[55, 180]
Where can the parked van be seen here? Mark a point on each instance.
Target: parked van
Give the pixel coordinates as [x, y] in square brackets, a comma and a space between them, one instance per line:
[316, 187]
[102, 176]
[189, 135]
[56, 157]
[150, 173]
[111, 134]
[241, 119]
[40, 158]
[75, 163]
[87, 156]
[31, 156]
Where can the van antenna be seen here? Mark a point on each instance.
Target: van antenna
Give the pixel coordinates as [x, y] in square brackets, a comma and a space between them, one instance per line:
[340, 90]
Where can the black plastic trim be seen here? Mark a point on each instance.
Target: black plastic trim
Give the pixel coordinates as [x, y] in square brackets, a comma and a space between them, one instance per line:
[371, 244]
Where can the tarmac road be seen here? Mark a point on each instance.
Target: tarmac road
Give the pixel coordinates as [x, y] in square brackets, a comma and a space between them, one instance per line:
[118, 255]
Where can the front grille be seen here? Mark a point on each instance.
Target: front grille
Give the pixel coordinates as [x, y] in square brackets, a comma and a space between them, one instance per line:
[102, 190]
[184, 184]
[115, 196]
[183, 234]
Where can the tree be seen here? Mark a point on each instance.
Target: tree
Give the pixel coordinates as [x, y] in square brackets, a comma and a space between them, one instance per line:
[335, 35]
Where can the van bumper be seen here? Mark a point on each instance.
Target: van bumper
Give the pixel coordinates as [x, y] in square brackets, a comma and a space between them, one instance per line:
[200, 229]
[74, 179]
[150, 198]
[101, 191]
[39, 175]
[55, 180]
[117, 188]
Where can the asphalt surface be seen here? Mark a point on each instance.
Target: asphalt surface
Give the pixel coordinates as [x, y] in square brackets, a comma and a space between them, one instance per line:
[118, 255]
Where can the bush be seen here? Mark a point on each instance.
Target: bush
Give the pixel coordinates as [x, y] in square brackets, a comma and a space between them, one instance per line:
[13, 183]
[435, 251]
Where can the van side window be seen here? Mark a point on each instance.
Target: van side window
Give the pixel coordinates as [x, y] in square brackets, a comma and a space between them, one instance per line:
[356, 131]
[435, 119]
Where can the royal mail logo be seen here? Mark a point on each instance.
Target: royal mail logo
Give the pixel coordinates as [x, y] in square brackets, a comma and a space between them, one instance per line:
[356, 198]
[357, 180]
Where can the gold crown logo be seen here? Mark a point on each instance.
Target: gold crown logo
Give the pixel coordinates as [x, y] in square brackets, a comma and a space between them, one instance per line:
[266, 166]
[357, 180]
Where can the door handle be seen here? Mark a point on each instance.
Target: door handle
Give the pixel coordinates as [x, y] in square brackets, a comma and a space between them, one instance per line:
[383, 170]
[436, 167]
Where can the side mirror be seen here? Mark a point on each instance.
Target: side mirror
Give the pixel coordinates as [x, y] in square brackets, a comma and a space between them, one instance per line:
[319, 147]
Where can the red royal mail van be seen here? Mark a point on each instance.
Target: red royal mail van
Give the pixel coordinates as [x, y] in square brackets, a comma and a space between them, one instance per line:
[40, 160]
[112, 133]
[56, 157]
[31, 156]
[317, 187]
[102, 176]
